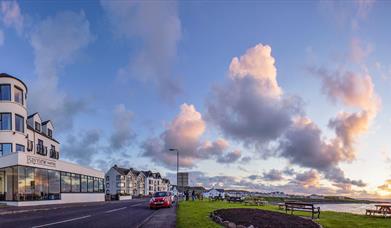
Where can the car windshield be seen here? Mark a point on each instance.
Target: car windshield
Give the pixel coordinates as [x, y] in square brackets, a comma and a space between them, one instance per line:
[160, 194]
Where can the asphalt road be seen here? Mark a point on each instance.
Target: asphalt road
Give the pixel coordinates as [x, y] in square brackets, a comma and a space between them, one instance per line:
[112, 214]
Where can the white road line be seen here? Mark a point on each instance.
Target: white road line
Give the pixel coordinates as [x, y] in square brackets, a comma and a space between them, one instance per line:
[136, 205]
[64, 221]
[115, 210]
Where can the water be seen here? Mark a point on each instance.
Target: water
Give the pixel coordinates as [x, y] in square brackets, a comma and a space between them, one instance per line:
[355, 208]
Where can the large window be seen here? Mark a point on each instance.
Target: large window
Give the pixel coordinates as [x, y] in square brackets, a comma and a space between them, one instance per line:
[54, 184]
[5, 121]
[5, 92]
[84, 183]
[50, 133]
[65, 182]
[40, 148]
[19, 123]
[90, 184]
[18, 95]
[5, 148]
[75, 182]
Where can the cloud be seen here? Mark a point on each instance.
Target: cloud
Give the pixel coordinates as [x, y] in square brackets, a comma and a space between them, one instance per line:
[158, 26]
[123, 134]
[273, 175]
[358, 52]
[250, 106]
[386, 186]
[56, 42]
[309, 178]
[183, 133]
[11, 15]
[82, 148]
[230, 157]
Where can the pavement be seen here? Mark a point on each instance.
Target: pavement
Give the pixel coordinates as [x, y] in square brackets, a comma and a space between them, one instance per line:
[130, 213]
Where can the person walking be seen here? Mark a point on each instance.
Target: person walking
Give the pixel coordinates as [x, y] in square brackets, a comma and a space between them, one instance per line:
[193, 195]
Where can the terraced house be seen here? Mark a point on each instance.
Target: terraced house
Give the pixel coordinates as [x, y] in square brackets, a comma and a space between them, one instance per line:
[131, 182]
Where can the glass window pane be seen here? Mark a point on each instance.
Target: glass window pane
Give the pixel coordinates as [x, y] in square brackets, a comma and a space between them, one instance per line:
[19, 123]
[84, 183]
[5, 92]
[30, 183]
[54, 185]
[5, 149]
[18, 95]
[75, 182]
[90, 184]
[5, 121]
[41, 184]
[20, 148]
[96, 185]
[65, 182]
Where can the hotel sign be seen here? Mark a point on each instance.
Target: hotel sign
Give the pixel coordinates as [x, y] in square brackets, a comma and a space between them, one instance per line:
[40, 161]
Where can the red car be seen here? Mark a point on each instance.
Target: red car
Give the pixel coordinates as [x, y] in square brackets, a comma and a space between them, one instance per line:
[160, 199]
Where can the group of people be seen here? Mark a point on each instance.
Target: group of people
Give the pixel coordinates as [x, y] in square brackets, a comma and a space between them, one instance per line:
[187, 195]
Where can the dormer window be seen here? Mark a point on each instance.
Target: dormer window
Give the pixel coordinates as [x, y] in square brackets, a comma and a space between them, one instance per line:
[50, 133]
[18, 95]
[37, 126]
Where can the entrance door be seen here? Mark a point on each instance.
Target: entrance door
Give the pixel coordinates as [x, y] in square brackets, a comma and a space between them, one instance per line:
[2, 185]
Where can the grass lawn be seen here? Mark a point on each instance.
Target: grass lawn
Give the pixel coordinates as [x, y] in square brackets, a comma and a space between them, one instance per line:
[196, 214]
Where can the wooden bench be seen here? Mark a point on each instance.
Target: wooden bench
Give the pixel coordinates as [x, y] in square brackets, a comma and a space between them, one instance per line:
[299, 206]
[281, 206]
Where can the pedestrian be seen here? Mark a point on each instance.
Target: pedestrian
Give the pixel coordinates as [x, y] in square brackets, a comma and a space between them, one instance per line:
[193, 195]
[187, 195]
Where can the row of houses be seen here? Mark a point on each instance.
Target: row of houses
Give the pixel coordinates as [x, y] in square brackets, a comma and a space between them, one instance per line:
[131, 182]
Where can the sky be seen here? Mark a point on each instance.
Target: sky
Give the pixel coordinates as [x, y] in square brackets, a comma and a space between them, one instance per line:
[262, 96]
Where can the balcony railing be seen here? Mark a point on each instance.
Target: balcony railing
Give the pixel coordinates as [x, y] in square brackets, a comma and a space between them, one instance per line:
[42, 150]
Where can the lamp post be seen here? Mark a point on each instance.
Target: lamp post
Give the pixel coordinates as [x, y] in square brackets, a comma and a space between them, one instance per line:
[177, 164]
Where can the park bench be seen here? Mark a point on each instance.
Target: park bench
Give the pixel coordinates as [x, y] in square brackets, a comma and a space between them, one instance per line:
[233, 199]
[299, 206]
[382, 209]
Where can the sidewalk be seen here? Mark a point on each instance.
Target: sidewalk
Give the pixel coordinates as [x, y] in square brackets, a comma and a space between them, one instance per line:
[162, 218]
[5, 210]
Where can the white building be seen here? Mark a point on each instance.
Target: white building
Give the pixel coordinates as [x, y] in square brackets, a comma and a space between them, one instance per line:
[30, 170]
[122, 181]
[213, 193]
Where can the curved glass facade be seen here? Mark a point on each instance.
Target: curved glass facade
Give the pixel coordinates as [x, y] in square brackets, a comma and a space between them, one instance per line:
[24, 183]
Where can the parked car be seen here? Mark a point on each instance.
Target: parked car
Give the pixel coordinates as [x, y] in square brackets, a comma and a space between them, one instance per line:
[160, 199]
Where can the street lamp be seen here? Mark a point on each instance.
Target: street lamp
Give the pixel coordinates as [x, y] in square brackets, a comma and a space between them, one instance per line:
[177, 165]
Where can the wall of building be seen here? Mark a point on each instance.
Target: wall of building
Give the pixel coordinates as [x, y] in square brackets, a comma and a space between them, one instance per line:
[65, 198]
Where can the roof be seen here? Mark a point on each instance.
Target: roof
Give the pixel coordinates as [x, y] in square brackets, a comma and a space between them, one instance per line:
[120, 170]
[32, 115]
[45, 122]
[41, 133]
[5, 75]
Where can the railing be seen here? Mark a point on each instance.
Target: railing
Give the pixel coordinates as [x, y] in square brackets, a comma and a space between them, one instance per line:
[54, 154]
[42, 150]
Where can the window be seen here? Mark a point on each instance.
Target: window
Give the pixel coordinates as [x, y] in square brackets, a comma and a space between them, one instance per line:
[37, 126]
[20, 148]
[41, 149]
[84, 183]
[50, 133]
[54, 184]
[5, 92]
[107, 178]
[53, 153]
[65, 182]
[19, 123]
[90, 184]
[96, 184]
[18, 95]
[5, 121]
[75, 182]
[5, 149]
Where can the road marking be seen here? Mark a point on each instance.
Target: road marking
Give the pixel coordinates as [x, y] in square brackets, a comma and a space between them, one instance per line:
[136, 205]
[115, 210]
[64, 221]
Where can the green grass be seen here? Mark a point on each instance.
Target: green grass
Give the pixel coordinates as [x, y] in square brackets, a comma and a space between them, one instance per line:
[196, 214]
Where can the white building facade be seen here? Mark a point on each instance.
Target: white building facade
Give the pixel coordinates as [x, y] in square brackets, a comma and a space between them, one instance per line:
[214, 193]
[122, 181]
[30, 170]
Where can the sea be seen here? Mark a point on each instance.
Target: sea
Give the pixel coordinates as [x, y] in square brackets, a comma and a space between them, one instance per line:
[355, 208]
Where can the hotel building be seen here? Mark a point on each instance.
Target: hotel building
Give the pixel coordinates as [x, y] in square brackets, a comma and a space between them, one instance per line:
[30, 170]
